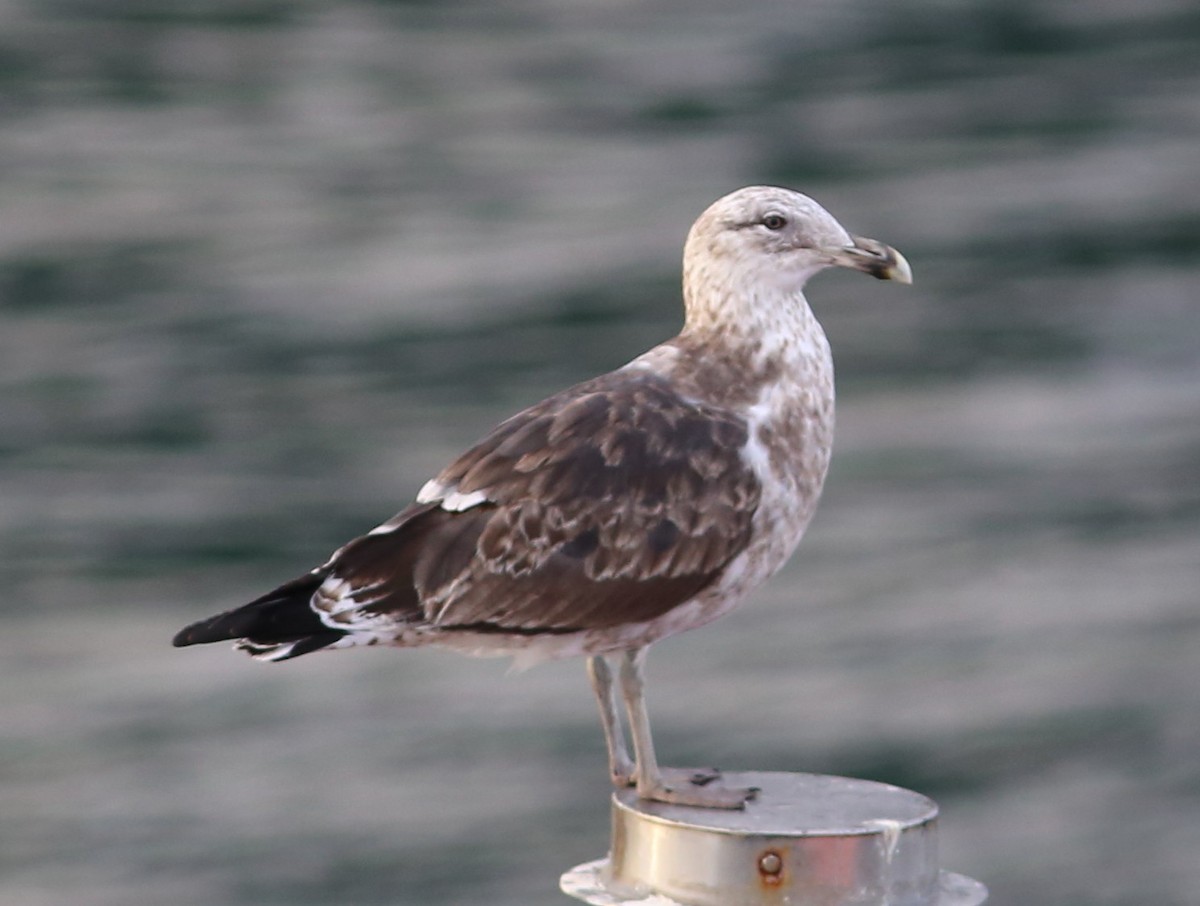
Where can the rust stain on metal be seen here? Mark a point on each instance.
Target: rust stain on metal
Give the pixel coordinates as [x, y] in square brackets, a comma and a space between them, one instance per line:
[770, 868]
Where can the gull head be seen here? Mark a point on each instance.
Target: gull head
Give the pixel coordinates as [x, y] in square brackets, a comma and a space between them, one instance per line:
[770, 239]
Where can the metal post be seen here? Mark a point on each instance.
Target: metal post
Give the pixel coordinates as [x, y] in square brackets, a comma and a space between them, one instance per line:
[806, 840]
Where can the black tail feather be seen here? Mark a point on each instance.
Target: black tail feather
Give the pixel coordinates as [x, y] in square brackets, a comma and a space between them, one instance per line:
[280, 617]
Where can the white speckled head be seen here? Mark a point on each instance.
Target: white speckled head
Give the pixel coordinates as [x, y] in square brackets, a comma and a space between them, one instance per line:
[767, 240]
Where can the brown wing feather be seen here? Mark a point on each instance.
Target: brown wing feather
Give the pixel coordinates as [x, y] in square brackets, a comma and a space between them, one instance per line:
[609, 503]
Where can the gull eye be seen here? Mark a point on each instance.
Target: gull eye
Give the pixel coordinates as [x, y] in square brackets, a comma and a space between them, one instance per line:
[774, 222]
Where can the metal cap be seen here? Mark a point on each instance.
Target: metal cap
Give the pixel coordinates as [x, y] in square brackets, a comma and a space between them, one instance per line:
[807, 839]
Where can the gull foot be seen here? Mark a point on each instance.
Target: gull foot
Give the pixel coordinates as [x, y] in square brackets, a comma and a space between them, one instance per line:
[694, 776]
[694, 787]
[622, 779]
[622, 772]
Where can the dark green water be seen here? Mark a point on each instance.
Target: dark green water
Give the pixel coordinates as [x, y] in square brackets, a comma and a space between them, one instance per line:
[265, 265]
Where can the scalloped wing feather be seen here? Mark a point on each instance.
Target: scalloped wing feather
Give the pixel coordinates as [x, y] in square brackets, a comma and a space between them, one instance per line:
[612, 502]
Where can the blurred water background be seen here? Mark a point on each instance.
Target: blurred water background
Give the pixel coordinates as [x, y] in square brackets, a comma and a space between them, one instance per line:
[266, 264]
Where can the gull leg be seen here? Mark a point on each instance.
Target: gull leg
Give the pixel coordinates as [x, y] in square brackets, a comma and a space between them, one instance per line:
[685, 787]
[620, 768]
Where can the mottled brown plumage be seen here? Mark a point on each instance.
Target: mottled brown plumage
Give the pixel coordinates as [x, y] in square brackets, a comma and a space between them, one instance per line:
[609, 503]
[632, 506]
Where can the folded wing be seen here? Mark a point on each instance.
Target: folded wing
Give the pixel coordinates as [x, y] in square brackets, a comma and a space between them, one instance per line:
[609, 503]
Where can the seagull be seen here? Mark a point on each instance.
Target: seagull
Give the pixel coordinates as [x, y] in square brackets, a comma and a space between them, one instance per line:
[628, 508]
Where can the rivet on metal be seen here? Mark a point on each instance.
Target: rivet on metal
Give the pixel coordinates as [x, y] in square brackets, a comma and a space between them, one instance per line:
[770, 863]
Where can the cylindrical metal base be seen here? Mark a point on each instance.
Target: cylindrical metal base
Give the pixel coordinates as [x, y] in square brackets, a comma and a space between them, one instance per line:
[807, 840]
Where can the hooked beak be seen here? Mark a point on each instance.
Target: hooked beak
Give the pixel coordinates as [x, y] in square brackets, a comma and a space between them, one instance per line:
[872, 257]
